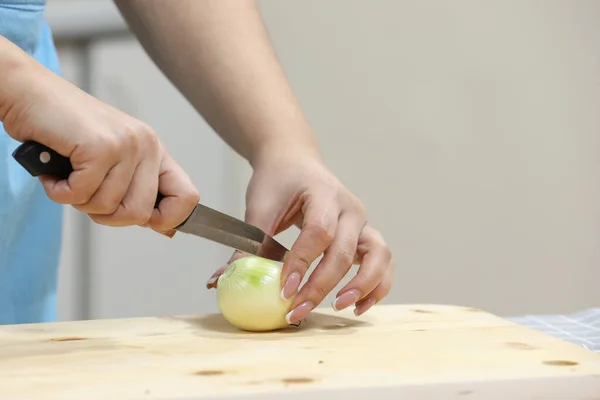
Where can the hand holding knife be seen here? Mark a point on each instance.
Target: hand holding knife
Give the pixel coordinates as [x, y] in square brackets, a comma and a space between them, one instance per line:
[204, 221]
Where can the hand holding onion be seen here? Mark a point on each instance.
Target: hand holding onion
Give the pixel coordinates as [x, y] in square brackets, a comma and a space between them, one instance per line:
[291, 187]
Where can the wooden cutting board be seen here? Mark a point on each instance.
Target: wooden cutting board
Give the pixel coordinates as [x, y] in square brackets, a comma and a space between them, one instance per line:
[392, 352]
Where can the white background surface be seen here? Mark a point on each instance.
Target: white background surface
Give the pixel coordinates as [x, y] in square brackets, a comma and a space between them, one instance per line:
[470, 132]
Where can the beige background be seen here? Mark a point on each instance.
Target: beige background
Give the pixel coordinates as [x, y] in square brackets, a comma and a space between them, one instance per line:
[471, 132]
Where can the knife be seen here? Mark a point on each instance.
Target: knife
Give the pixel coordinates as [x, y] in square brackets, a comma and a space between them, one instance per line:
[204, 221]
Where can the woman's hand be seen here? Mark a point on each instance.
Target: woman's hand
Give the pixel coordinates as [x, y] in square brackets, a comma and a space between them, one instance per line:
[119, 162]
[297, 189]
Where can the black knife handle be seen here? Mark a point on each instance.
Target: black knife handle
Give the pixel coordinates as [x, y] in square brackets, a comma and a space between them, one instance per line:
[39, 159]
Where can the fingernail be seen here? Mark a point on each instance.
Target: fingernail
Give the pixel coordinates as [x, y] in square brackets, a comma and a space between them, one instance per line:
[291, 285]
[345, 299]
[211, 281]
[299, 312]
[364, 306]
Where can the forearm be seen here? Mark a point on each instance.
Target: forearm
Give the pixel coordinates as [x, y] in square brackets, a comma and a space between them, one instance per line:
[13, 65]
[217, 53]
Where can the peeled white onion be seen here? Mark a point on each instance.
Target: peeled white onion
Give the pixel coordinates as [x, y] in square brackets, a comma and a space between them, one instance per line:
[249, 295]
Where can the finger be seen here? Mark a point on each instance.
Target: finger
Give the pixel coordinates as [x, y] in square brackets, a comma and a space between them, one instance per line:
[111, 192]
[375, 257]
[180, 196]
[168, 234]
[213, 280]
[318, 230]
[73, 190]
[85, 179]
[333, 267]
[379, 293]
[138, 202]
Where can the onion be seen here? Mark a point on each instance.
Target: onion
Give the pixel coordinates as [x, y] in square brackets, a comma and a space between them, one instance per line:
[249, 295]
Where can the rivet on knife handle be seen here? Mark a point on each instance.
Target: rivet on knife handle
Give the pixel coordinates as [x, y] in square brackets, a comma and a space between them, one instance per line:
[39, 159]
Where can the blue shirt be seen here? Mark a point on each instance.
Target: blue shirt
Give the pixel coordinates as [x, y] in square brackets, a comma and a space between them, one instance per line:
[30, 223]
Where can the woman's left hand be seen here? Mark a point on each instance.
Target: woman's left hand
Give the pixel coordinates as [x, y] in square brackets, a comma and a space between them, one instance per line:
[295, 188]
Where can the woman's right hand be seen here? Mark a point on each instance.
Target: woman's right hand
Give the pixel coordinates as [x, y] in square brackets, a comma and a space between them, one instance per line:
[119, 163]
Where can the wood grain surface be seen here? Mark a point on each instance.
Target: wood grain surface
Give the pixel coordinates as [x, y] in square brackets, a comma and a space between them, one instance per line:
[419, 351]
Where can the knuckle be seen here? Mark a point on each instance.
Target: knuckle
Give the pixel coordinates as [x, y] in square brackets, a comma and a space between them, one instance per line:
[321, 233]
[139, 216]
[132, 141]
[147, 135]
[334, 188]
[96, 219]
[387, 253]
[132, 128]
[108, 205]
[377, 237]
[192, 197]
[151, 141]
[138, 135]
[385, 288]
[82, 196]
[346, 256]
[374, 237]
[392, 265]
[359, 207]
[303, 261]
[102, 220]
[365, 282]
[58, 198]
[320, 292]
[160, 226]
[144, 217]
[79, 208]
[111, 206]
[110, 144]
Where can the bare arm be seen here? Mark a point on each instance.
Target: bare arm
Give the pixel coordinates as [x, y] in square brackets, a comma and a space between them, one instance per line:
[217, 53]
[13, 65]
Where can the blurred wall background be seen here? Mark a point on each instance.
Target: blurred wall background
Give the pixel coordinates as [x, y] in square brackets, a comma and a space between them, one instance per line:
[470, 130]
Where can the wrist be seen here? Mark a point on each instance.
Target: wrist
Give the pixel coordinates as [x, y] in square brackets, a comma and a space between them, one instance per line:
[286, 145]
[15, 68]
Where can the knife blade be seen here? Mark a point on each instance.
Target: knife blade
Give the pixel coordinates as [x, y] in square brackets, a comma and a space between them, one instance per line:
[205, 222]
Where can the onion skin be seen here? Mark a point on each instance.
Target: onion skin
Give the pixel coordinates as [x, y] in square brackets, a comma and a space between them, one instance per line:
[248, 295]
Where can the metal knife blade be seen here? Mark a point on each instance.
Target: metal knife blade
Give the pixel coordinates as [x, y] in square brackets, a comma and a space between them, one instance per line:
[229, 231]
[204, 221]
